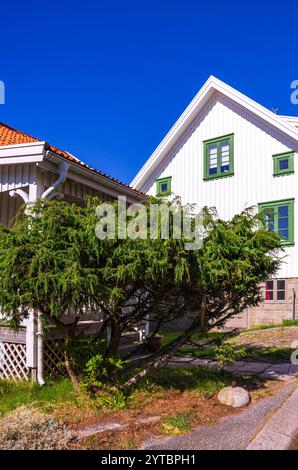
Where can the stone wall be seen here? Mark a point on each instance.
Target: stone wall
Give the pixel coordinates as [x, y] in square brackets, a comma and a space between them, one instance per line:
[267, 313]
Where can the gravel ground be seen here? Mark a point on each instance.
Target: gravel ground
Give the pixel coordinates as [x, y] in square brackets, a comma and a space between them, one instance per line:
[230, 433]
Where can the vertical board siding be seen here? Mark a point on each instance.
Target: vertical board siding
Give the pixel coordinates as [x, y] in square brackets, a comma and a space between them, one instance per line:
[253, 182]
[16, 176]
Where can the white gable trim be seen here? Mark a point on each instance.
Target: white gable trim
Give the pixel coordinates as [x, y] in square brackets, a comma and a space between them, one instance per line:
[211, 86]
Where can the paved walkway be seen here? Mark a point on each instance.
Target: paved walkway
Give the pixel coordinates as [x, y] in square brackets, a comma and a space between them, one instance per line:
[233, 432]
[267, 370]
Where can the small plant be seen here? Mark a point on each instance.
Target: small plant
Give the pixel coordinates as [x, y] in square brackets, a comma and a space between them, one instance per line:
[99, 370]
[85, 348]
[177, 424]
[113, 401]
[227, 354]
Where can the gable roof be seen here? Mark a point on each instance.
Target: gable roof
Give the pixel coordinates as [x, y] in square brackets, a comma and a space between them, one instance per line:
[211, 86]
[11, 136]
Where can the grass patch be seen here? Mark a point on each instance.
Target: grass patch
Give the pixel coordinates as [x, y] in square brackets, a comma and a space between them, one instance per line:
[177, 424]
[270, 354]
[206, 382]
[274, 325]
[14, 394]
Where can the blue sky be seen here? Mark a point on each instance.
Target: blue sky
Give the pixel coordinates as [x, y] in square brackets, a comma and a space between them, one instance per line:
[106, 80]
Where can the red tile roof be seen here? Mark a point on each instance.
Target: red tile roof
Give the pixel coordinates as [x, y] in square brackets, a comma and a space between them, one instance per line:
[11, 136]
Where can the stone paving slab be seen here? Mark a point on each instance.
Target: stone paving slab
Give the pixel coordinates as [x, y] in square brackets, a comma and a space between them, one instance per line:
[280, 431]
[294, 369]
[279, 368]
[276, 376]
[254, 367]
[235, 366]
[285, 371]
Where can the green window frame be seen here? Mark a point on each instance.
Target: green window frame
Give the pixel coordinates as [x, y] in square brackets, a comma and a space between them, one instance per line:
[283, 163]
[163, 186]
[279, 217]
[219, 157]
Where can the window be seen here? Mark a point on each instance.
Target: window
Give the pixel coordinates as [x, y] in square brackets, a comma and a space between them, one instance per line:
[283, 164]
[278, 216]
[275, 290]
[269, 290]
[219, 157]
[163, 186]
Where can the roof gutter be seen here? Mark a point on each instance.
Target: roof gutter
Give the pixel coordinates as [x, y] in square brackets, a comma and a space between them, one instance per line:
[64, 167]
[113, 185]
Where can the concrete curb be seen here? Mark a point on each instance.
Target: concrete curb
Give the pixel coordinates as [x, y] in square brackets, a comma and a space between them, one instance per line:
[280, 431]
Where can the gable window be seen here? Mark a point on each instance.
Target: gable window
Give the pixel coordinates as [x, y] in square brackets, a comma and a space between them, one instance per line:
[219, 157]
[278, 216]
[275, 290]
[283, 164]
[163, 186]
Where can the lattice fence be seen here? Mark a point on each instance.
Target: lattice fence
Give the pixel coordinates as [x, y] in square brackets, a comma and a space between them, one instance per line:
[13, 361]
[53, 359]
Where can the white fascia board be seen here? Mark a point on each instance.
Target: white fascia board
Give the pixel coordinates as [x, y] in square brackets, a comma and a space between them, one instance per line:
[96, 181]
[32, 152]
[211, 86]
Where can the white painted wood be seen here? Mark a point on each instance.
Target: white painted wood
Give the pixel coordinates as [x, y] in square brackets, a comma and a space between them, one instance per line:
[30, 341]
[255, 141]
[212, 87]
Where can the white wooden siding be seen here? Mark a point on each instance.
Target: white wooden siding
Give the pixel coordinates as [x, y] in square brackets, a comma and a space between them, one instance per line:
[16, 176]
[254, 144]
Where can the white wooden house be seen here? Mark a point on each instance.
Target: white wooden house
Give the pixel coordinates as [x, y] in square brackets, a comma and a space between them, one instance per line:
[31, 169]
[230, 152]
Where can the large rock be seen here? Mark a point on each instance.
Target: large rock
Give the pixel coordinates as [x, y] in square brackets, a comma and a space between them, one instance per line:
[234, 396]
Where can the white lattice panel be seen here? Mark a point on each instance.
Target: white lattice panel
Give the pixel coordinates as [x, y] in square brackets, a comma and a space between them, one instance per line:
[53, 358]
[13, 361]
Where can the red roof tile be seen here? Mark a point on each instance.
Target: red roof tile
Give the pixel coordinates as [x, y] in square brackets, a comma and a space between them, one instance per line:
[11, 136]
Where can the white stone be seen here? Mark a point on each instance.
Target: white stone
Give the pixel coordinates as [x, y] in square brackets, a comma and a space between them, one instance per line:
[234, 396]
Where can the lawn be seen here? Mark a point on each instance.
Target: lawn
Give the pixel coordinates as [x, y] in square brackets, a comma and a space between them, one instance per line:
[267, 344]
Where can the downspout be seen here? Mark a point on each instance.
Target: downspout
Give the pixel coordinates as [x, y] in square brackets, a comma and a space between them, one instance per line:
[64, 166]
[40, 351]
[294, 305]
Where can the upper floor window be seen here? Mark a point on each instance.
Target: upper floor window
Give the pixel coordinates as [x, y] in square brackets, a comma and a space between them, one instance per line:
[283, 163]
[278, 216]
[163, 186]
[219, 157]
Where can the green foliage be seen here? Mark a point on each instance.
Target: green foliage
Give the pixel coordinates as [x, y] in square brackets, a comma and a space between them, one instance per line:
[275, 325]
[98, 370]
[273, 354]
[290, 322]
[14, 394]
[84, 348]
[204, 381]
[177, 424]
[51, 261]
[227, 354]
[112, 401]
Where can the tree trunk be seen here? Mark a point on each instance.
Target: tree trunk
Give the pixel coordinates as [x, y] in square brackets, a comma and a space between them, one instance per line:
[163, 356]
[67, 362]
[115, 339]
